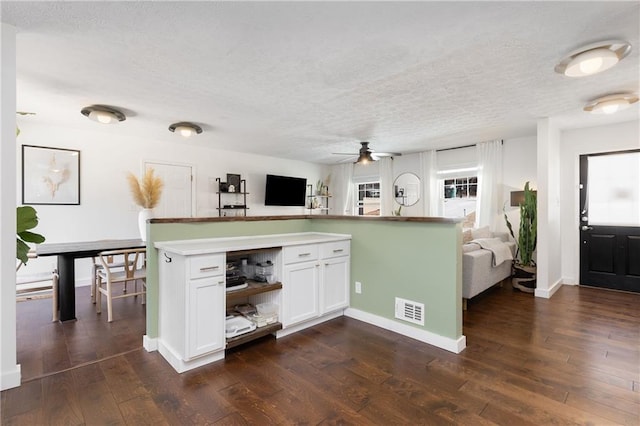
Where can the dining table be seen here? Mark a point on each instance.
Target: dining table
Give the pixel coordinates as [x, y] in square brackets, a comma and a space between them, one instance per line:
[67, 254]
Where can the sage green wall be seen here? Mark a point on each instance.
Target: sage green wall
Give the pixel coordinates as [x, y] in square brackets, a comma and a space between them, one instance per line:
[414, 260]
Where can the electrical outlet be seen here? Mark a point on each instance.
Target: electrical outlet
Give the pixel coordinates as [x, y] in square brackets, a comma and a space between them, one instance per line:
[358, 287]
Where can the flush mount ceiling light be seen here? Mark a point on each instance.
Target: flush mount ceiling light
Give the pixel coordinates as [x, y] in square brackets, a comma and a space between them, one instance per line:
[185, 129]
[103, 114]
[593, 58]
[611, 104]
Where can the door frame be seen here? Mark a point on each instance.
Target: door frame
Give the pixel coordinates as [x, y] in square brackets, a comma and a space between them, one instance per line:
[174, 163]
[582, 207]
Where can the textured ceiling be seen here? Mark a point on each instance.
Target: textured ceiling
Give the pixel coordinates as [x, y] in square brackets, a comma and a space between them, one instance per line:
[301, 80]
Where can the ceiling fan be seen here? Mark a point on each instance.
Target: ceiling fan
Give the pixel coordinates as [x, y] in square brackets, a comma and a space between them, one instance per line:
[366, 155]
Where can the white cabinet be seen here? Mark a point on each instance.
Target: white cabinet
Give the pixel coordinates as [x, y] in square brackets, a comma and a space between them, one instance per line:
[315, 274]
[300, 292]
[335, 261]
[205, 313]
[334, 286]
[316, 280]
[192, 309]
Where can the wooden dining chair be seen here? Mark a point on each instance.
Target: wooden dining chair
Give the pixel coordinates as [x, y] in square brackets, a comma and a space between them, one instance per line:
[38, 285]
[114, 262]
[133, 270]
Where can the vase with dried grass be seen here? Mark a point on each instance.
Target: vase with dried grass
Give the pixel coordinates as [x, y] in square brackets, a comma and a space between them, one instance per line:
[146, 194]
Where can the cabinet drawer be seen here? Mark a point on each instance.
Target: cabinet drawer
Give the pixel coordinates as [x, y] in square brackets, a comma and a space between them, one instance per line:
[294, 254]
[338, 248]
[206, 265]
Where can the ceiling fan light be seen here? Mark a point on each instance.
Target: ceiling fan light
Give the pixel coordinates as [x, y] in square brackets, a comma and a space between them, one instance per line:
[593, 58]
[611, 104]
[103, 114]
[364, 158]
[185, 129]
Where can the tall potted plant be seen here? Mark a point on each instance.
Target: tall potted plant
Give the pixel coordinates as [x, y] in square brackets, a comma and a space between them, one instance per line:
[146, 194]
[524, 268]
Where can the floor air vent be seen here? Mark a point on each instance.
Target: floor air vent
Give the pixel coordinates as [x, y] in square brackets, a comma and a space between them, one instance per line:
[410, 311]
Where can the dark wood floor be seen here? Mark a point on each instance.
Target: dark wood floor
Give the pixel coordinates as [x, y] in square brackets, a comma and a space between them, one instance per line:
[44, 347]
[573, 359]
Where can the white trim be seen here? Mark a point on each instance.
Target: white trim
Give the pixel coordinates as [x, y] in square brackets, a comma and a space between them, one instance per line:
[181, 365]
[150, 343]
[460, 170]
[194, 174]
[10, 379]
[297, 327]
[452, 345]
[547, 293]
[569, 281]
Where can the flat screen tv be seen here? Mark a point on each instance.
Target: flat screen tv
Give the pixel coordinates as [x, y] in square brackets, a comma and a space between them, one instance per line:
[285, 191]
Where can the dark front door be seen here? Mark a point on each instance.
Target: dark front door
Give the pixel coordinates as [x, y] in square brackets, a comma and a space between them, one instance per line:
[610, 220]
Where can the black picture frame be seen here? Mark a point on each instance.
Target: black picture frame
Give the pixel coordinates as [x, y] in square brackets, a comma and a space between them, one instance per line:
[233, 179]
[50, 175]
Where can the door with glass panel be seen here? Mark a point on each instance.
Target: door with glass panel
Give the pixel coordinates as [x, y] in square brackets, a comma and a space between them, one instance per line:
[610, 220]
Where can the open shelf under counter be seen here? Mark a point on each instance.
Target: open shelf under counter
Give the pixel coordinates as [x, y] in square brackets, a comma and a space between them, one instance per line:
[254, 288]
[255, 334]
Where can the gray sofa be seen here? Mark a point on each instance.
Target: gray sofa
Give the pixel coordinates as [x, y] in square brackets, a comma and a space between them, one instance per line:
[478, 272]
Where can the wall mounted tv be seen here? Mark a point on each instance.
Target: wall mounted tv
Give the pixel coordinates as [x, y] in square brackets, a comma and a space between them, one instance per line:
[285, 191]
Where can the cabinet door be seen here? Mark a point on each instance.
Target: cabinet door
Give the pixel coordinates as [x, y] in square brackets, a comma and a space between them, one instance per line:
[205, 316]
[300, 292]
[334, 286]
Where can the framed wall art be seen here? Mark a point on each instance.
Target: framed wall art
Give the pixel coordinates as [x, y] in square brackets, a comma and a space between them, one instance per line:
[50, 175]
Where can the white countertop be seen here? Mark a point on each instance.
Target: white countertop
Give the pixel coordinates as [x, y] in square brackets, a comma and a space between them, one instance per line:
[219, 245]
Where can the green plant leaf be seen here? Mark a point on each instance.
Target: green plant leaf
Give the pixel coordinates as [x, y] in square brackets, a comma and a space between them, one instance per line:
[21, 251]
[31, 237]
[27, 218]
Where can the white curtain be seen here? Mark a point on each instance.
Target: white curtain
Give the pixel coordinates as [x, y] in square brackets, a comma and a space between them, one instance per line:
[386, 186]
[489, 183]
[430, 193]
[344, 189]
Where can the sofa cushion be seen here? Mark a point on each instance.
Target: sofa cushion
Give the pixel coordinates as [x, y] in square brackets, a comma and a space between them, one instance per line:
[483, 232]
[467, 236]
[468, 248]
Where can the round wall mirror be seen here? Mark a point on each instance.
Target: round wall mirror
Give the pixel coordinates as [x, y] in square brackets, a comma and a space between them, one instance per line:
[406, 189]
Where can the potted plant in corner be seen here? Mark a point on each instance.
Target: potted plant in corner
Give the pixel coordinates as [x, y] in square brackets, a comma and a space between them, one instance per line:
[524, 267]
[146, 194]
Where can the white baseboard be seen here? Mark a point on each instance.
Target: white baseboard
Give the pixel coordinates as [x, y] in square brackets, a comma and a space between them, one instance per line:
[569, 281]
[547, 293]
[295, 328]
[10, 379]
[452, 345]
[181, 365]
[150, 343]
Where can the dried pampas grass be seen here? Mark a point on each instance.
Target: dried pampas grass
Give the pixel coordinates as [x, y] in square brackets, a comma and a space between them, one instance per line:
[146, 194]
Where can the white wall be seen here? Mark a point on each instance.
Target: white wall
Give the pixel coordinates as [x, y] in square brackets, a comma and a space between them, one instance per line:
[549, 252]
[614, 137]
[107, 210]
[518, 166]
[9, 369]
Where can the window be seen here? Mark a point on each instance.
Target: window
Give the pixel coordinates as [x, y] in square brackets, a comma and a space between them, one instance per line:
[368, 198]
[460, 197]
